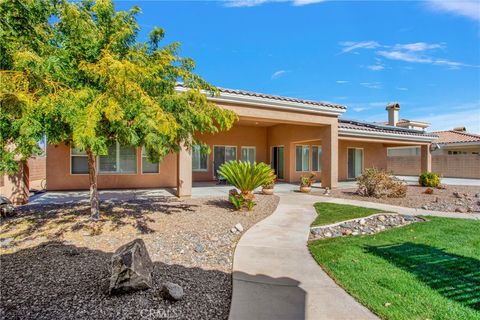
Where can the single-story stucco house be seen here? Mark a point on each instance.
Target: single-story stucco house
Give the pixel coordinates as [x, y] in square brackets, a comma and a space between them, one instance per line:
[295, 136]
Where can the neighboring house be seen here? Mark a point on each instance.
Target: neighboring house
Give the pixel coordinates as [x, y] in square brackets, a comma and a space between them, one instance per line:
[295, 136]
[457, 155]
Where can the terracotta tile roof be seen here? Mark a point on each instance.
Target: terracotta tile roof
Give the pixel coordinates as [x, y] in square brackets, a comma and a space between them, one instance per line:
[452, 136]
[376, 127]
[275, 97]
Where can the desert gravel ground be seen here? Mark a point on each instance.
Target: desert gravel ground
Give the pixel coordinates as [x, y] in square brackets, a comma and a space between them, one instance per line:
[55, 262]
[440, 200]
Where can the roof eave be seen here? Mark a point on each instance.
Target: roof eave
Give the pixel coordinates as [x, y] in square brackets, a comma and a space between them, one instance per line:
[272, 103]
[384, 135]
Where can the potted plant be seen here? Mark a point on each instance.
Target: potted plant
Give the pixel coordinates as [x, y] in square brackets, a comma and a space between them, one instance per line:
[306, 182]
[267, 188]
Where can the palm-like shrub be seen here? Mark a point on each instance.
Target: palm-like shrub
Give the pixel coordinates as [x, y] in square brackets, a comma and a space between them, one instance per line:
[247, 176]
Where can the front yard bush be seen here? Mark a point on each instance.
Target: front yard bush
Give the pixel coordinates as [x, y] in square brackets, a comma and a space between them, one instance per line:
[429, 179]
[379, 183]
[246, 177]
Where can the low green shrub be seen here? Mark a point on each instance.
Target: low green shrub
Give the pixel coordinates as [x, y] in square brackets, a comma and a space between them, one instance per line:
[246, 177]
[429, 179]
[379, 183]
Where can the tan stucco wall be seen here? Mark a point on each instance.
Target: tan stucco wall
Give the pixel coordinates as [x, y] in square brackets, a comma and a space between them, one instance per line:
[239, 135]
[60, 178]
[374, 155]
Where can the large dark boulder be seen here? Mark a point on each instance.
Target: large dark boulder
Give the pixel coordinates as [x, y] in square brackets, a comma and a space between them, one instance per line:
[131, 268]
[6, 207]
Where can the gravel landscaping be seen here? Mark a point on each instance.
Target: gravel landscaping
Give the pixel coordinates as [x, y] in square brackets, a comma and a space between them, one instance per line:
[55, 261]
[453, 198]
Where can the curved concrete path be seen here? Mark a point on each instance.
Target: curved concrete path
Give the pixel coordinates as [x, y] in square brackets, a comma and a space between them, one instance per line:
[275, 277]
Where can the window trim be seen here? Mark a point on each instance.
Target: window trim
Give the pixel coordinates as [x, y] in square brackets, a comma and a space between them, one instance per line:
[200, 170]
[71, 166]
[319, 146]
[249, 147]
[309, 157]
[141, 164]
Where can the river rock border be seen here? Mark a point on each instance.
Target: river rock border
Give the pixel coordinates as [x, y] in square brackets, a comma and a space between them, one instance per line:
[362, 226]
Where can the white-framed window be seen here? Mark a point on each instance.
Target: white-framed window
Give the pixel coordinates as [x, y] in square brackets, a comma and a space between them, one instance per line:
[78, 161]
[302, 158]
[199, 159]
[120, 159]
[147, 166]
[249, 154]
[316, 158]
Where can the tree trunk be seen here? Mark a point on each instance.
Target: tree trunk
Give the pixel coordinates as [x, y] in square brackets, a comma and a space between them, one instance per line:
[92, 175]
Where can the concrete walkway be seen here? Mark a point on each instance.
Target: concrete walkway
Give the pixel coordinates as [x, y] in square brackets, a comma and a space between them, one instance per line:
[275, 277]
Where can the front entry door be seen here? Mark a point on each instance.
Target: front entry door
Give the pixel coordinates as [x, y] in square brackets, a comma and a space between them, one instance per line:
[222, 154]
[355, 162]
[278, 162]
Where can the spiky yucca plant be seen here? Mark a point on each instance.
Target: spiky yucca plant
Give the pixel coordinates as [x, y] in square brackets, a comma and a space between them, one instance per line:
[246, 176]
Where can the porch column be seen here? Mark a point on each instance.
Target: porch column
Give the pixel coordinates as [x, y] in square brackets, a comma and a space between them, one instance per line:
[184, 172]
[16, 186]
[425, 158]
[330, 156]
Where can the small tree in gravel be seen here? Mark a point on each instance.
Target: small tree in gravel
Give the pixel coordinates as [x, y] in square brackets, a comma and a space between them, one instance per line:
[379, 183]
[77, 72]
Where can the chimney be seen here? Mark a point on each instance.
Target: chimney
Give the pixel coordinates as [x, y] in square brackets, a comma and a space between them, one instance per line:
[460, 129]
[392, 109]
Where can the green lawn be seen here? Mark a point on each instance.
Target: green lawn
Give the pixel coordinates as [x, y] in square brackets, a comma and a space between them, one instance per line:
[331, 212]
[427, 270]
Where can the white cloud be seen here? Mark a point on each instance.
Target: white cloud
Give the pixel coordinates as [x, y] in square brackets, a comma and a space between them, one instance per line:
[418, 46]
[254, 3]
[372, 85]
[414, 57]
[244, 3]
[349, 46]
[278, 74]
[402, 88]
[341, 81]
[466, 8]
[447, 121]
[305, 2]
[416, 52]
[376, 67]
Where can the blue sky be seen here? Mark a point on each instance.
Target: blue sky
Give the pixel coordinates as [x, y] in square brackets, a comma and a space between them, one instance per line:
[423, 54]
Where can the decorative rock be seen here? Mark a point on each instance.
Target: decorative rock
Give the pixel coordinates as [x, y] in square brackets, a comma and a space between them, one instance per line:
[425, 207]
[233, 230]
[6, 207]
[199, 248]
[457, 195]
[461, 210]
[131, 268]
[469, 209]
[172, 291]
[327, 191]
[442, 186]
[477, 195]
[239, 227]
[362, 226]
[5, 242]
[429, 191]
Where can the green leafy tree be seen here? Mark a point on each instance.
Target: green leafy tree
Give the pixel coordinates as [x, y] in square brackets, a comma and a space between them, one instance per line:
[79, 74]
